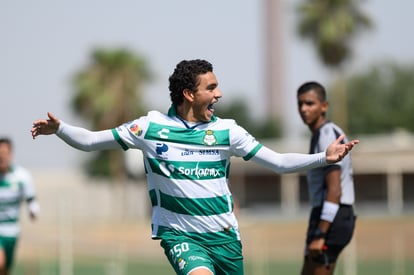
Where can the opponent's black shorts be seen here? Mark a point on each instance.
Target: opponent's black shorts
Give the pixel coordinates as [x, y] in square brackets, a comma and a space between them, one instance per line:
[339, 234]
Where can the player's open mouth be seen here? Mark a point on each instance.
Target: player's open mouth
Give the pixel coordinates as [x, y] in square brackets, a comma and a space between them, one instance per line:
[210, 107]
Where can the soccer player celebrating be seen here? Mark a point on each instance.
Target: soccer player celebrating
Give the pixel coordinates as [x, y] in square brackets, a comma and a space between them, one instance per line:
[187, 155]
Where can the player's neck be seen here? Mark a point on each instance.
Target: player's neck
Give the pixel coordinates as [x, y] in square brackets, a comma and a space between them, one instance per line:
[318, 124]
[186, 114]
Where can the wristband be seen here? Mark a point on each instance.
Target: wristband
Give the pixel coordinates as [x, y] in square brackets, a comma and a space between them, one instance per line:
[318, 234]
[329, 211]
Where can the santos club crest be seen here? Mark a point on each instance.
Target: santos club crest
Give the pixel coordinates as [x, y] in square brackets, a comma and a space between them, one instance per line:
[209, 138]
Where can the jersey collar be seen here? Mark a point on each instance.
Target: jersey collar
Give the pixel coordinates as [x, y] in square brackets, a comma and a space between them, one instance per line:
[172, 112]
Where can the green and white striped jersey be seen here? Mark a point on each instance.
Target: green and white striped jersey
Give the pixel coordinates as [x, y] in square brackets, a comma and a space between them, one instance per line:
[15, 186]
[187, 171]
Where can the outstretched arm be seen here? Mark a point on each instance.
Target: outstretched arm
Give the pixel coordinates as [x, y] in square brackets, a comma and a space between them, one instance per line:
[76, 137]
[293, 162]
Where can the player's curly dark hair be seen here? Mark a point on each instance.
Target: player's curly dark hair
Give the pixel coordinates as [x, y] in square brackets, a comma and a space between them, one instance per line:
[185, 76]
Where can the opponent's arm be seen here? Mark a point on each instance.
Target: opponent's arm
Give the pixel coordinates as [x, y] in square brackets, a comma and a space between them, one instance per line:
[329, 209]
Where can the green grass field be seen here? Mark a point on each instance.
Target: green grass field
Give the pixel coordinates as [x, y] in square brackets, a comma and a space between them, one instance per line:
[96, 267]
[381, 246]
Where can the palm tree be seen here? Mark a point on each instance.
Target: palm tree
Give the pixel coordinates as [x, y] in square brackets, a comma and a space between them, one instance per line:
[108, 93]
[332, 25]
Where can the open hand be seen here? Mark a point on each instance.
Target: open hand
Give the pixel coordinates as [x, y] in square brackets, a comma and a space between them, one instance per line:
[337, 151]
[45, 126]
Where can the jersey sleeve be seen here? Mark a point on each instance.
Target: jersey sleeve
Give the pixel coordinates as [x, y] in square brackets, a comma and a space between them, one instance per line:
[328, 134]
[130, 134]
[27, 186]
[288, 162]
[28, 192]
[86, 140]
[242, 143]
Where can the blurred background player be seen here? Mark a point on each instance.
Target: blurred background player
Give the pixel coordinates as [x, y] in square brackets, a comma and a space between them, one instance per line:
[15, 186]
[331, 188]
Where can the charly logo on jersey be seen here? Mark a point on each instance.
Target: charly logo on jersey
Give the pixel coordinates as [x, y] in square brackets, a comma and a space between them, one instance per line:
[209, 138]
[135, 129]
[163, 133]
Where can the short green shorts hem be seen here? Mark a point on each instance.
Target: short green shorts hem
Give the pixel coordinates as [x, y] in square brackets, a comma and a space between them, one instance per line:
[185, 255]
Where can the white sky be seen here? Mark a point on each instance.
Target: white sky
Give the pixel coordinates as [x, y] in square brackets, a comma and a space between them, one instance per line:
[43, 43]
